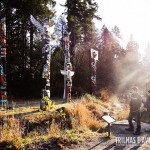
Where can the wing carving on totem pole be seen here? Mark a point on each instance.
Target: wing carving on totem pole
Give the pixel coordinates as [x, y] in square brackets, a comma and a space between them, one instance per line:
[36, 23]
[68, 73]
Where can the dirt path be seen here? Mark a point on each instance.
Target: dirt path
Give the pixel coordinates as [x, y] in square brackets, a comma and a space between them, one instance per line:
[121, 139]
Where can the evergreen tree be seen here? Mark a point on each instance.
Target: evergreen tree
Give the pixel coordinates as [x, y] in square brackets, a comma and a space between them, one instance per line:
[145, 72]
[110, 54]
[131, 65]
[57, 79]
[24, 63]
[61, 29]
[80, 14]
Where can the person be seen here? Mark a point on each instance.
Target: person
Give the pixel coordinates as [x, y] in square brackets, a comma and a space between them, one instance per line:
[135, 104]
[147, 106]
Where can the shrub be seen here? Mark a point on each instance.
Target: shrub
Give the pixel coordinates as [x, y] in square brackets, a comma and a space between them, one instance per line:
[47, 104]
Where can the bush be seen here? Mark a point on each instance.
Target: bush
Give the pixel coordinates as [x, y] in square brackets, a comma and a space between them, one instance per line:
[47, 104]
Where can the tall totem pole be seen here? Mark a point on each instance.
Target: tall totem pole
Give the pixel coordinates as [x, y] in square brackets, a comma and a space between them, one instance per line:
[46, 53]
[3, 83]
[93, 58]
[67, 72]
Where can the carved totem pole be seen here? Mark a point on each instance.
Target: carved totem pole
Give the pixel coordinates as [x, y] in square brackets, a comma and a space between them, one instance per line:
[44, 29]
[3, 83]
[94, 58]
[67, 72]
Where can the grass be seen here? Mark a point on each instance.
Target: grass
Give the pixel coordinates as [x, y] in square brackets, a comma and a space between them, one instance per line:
[19, 110]
[84, 117]
[122, 115]
[82, 114]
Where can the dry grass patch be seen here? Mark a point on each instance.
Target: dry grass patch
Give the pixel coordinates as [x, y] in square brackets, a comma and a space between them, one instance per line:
[10, 131]
[83, 113]
[54, 129]
[122, 115]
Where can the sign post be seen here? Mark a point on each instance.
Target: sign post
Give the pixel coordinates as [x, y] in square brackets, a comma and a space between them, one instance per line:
[109, 120]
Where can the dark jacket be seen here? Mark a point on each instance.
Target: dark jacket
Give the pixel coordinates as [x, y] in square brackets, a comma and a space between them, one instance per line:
[147, 103]
[135, 103]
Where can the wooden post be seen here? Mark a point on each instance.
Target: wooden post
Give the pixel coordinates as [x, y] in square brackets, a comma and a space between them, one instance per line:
[108, 129]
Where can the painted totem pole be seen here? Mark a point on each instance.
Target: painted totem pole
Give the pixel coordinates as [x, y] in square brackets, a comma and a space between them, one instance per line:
[67, 72]
[3, 83]
[44, 29]
[94, 58]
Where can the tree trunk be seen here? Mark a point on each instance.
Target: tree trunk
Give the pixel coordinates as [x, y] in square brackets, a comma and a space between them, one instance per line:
[31, 51]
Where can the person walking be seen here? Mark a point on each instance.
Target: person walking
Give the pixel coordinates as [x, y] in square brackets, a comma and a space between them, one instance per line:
[135, 104]
[147, 107]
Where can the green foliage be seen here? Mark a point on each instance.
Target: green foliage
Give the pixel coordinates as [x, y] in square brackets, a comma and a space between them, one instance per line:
[81, 27]
[117, 67]
[62, 114]
[106, 63]
[48, 104]
[24, 61]
[57, 79]
[61, 29]
[24, 51]
[81, 79]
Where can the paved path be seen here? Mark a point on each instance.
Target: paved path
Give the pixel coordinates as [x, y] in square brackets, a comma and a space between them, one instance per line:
[121, 139]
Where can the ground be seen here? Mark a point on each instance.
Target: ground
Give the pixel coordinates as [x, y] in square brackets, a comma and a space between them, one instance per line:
[118, 131]
[25, 126]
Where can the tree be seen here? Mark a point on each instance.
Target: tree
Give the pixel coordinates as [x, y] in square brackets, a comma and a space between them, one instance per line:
[23, 48]
[110, 54]
[145, 72]
[130, 65]
[61, 29]
[57, 79]
[105, 64]
[83, 37]
[81, 27]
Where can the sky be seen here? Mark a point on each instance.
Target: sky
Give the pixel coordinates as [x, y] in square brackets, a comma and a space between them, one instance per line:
[131, 16]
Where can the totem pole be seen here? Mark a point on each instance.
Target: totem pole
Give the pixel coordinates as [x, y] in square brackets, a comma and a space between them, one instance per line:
[44, 29]
[67, 72]
[3, 83]
[94, 58]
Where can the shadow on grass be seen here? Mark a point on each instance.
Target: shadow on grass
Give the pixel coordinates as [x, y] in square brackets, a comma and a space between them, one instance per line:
[7, 146]
[18, 114]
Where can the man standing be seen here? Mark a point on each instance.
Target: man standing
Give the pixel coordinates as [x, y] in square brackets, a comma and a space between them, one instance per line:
[135, 104]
